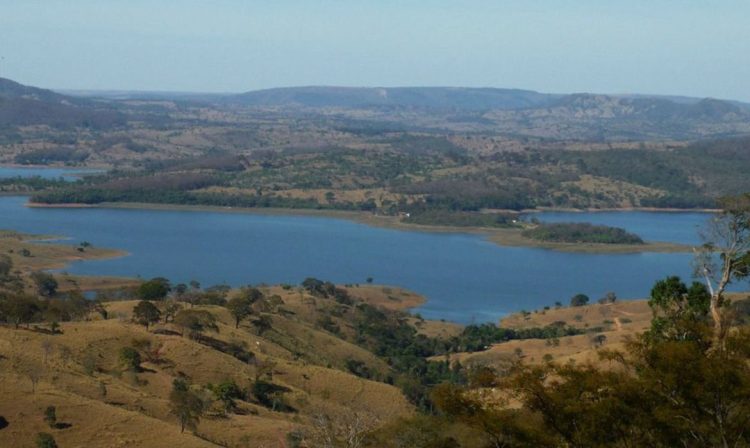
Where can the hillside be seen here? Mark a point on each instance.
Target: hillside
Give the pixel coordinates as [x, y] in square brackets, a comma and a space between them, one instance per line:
[140, 400]
[414, 97]
[585, 117]
[302, 361]
[22, 105]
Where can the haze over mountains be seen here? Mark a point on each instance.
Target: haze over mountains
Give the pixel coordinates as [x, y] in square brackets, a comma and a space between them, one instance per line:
[516, 112]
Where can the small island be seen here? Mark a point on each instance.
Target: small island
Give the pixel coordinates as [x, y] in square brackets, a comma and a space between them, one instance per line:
[581, 233]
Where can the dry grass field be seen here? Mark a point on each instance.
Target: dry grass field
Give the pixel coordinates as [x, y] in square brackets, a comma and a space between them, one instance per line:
[78, 372]
[617, 321]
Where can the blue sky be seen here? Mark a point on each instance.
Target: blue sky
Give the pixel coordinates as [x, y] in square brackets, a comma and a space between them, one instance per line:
[688, 47]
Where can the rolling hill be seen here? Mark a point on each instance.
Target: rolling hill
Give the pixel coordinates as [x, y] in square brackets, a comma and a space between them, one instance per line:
[22, 105]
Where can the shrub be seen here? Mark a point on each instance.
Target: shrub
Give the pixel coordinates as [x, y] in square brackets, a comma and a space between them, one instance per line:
[50, 416]
[130, 359]
[45, 440]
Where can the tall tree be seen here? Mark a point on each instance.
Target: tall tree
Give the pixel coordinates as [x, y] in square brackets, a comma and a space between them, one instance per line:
[185, 404]
[146, 313]
[724, 257]
[240, 307]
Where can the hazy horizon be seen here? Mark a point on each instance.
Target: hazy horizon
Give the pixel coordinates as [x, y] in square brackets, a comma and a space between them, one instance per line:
[666, 47]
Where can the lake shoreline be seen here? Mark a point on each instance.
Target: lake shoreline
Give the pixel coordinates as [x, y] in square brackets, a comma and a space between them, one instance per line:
[501, 236]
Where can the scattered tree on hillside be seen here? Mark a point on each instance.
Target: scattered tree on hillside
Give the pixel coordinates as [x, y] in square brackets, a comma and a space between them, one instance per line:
[609, 297]
[146, 313]
[579, 300]
[195, 322]
[345, 429]
[154, 289]
[130, 358]
[46, 285]
[45, 440]
[226, 392]
[20, 309]
[185, 405]
[241, 306]
[50, 416]
[262, 324]
[170, 308]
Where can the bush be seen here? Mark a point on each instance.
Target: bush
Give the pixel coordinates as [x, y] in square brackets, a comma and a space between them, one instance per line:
[130, 358]
[45, 440]
[271, 396]
[50, 416]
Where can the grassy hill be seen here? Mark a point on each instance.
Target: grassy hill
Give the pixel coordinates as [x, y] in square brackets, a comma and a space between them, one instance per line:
[78, 371]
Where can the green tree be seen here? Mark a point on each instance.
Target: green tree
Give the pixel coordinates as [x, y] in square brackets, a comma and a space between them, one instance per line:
[579, 300]
[130, 358]
[185, 404]
[195, 322]
[46, 285]
[170, 309]
[20, 309]
[227, 391]
[677, 309]
[263, 323]
[45, 440]
[724, 257]
[146, 313]
[240, 307]
[154, 289]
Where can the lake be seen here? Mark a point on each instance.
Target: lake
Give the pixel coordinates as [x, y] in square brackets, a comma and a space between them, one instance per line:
[465, 277]
[69, 174]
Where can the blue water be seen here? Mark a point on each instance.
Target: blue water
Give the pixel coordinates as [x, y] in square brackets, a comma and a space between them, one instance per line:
[676, 227]
[69, 174]
[464, 277]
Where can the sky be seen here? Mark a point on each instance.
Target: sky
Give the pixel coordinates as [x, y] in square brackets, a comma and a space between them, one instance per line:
[682, 47]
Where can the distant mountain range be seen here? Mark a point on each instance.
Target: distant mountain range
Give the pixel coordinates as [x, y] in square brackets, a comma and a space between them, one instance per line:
[438, 98]
[509, 111]
[421, 97]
